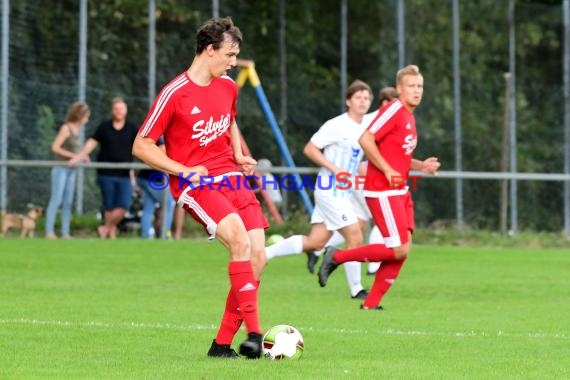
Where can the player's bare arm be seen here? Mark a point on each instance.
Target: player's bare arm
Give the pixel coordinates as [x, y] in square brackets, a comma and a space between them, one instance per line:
[246, 163]
[370, 149]
[430, 165]
[316, 155]
[147, 151]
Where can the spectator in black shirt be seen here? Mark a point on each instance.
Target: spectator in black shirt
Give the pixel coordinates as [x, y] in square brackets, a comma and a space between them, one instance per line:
[115, 140]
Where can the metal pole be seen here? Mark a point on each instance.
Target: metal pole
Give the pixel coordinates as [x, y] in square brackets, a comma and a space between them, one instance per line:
[283, 85]
[504, 203]
[457, 113]
[566, 68]
[215, 8]
[343, 52]
[4, 101]
[82, 85]
[512, 118]
[151, 94]
[401, 31]
[151, 51]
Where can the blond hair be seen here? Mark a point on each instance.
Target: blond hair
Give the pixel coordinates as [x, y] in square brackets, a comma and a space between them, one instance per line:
[76, 112]
[408, 70]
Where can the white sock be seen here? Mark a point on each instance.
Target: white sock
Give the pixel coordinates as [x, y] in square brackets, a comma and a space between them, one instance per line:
[375, 237]
[353, 277]
[373, 267]
[293, 245]
[335, 240]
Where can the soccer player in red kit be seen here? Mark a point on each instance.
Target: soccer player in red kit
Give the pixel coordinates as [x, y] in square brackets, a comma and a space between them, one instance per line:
[196, 114]
[388, 143]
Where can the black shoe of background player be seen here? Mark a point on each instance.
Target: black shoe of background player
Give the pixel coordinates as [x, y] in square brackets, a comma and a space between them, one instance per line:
[368, 273]
[312, 260]
[362, 307]
[361, 295]
[222, 351]
[327, 266]
[252, 347]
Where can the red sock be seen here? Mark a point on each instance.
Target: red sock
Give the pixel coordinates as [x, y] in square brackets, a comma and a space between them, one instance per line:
[364, 253]
[244, 287]
[231, 321]
[384, 279]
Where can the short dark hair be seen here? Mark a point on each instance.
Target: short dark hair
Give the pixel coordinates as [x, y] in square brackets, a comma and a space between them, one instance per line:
[356, 86]
[212, 32]
[387, 93]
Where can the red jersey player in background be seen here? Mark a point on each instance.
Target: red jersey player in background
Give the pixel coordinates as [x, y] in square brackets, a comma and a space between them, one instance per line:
[196, 114]
[388, 143]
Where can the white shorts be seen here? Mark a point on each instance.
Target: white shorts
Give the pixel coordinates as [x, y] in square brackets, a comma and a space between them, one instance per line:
[334, 212]
[360, 206]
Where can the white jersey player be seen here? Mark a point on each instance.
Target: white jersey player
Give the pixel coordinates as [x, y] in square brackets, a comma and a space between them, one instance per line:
[334, 147]
[385, 95]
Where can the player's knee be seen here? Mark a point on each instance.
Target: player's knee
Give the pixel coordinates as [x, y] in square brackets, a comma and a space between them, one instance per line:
[401, 252]
[240, 247]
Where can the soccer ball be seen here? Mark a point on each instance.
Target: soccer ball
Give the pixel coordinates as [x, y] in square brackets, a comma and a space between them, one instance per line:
[283, 342]
[274, 239]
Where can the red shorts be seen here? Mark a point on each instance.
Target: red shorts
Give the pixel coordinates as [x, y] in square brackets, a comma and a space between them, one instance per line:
[208, 205]
[394, 216]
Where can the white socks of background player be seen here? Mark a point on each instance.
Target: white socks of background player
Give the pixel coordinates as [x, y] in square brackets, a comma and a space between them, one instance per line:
[374, 238]
[352, 269]
[353, 277]
[293, 245]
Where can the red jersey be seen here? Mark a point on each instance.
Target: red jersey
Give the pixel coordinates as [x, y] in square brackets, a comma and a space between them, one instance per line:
[394, 130]
[195, 121]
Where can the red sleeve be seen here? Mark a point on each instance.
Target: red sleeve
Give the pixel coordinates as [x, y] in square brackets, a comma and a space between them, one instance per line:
[385, 121]
[159, 116]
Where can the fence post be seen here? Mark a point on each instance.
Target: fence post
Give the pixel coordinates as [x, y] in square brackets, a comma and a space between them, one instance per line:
[513, 118]
[82, 86]
[343, 52]
[457, 113]
[4, 102]
[283, 88]
[566, 77]
[215, 8]
[401, 19]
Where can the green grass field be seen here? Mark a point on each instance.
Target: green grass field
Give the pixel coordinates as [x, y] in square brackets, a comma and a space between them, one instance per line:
[133, 309]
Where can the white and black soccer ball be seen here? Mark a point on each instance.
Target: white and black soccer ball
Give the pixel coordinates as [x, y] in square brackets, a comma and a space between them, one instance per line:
[283, 342]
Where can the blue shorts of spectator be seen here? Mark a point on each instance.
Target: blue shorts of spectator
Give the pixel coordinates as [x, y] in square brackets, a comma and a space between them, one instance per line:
[117, 192]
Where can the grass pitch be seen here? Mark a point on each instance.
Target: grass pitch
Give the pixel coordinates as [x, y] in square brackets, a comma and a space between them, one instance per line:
[135, 309]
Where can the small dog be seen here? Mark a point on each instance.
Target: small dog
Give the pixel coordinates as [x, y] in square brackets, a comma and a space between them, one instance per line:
[26, 223]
